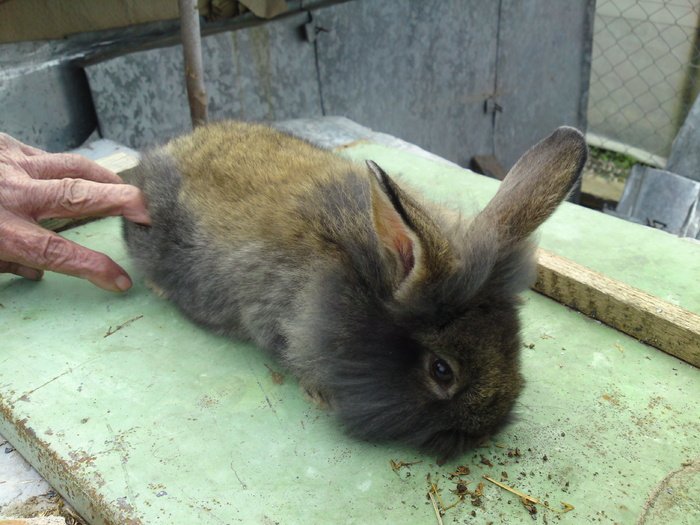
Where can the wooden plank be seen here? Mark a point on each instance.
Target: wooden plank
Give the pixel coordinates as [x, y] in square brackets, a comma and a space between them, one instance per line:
[488, 165]
[641, 315]
[118, 162]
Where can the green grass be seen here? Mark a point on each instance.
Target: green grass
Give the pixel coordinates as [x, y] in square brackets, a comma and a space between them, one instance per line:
[620, 159]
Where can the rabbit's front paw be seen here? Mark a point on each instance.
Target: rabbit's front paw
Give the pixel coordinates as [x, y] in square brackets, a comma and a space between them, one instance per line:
[156, 289]
[317, 397]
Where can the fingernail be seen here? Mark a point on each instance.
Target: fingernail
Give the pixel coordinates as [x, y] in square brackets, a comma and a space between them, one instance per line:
[123, 283]
[141, 218]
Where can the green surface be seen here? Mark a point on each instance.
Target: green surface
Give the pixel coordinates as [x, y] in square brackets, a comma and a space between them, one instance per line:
[162, 422]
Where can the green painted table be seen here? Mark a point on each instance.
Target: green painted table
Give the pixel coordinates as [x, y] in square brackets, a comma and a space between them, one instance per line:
[137, 416]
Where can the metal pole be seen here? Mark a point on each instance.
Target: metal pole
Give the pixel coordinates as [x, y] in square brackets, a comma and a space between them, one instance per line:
[192, 51]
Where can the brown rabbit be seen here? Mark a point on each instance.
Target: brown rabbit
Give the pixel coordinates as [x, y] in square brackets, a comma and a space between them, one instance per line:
[400, 314]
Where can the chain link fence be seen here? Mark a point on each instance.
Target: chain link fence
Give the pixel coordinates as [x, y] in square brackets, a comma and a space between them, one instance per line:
[645, 75]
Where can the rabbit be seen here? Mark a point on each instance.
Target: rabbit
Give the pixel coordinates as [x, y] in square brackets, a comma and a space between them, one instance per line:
[399, 314]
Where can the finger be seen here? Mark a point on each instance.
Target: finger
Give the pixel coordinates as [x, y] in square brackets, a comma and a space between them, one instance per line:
[6, 140]
[68, 198]
[32, 246]
[62, 165]
[21, 270]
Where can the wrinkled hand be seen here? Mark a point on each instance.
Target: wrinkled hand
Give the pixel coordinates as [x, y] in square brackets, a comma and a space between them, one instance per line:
[36, 185]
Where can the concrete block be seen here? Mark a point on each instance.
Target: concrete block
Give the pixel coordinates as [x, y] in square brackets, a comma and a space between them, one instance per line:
[685, 153]
[662, 200]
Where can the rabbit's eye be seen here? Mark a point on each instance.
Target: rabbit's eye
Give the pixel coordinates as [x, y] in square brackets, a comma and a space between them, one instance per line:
[441, 371]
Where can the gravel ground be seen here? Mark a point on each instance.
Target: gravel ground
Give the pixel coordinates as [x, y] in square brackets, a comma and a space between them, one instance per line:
[25, 494]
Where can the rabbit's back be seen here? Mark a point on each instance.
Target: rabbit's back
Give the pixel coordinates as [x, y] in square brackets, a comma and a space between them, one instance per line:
[245, 220]
[250, 181]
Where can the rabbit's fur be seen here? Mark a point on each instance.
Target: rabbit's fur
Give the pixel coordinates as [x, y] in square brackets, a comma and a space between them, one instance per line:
[398, 313]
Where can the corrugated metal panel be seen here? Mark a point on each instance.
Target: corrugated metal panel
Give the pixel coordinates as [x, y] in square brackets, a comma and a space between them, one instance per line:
[260, 73]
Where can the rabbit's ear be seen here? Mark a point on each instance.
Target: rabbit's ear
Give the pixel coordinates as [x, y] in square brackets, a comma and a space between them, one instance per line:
[391, 223]
[537, 184]
[404, 229]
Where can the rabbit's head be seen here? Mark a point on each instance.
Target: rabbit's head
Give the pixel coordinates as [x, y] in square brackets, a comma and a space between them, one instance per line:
[436, 365]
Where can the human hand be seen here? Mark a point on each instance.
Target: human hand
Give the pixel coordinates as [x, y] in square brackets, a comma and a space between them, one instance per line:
[36, 185]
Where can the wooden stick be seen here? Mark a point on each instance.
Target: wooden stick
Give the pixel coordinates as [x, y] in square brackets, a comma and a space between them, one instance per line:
[396, 466]
[192, 51]
[110, 331]
[511, 489]
[525, 498]
[435, 506]
[639, 314]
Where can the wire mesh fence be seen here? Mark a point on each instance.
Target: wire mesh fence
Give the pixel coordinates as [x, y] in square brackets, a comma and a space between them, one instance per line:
[645, 75]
